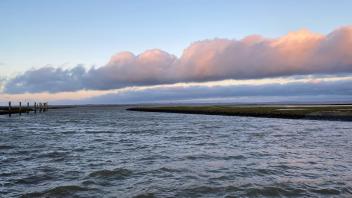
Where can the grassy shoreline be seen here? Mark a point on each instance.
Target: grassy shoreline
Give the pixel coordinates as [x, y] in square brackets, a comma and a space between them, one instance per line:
[315, 112]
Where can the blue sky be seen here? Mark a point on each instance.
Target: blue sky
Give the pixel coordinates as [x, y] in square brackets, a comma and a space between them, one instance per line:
[65, 33]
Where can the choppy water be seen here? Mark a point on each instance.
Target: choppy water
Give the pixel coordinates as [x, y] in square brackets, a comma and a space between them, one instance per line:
[110, 152]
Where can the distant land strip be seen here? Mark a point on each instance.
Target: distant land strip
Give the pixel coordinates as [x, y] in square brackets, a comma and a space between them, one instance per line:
[313, 112]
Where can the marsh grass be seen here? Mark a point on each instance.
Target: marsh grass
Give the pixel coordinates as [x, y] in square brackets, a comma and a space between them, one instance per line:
[328, 112]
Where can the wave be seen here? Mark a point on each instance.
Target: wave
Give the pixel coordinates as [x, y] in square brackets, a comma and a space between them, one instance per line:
[273, 191]
[60, 191]
[145, 195]
[6, 147]
[53, 154]
[207, 157]
[118, 173]
[250, 190]
[35, 179]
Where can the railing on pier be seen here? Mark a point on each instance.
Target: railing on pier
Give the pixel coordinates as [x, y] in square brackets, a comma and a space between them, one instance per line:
[37, 107]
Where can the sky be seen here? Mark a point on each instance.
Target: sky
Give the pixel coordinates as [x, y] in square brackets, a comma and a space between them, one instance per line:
[102, 51]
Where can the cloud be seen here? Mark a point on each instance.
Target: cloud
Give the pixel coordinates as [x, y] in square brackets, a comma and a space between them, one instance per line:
[253, 57]
[339, 90]
[312, 89]
[47, 79]
[2, 80]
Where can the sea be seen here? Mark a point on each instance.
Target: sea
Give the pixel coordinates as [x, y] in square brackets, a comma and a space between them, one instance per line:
[111, 152]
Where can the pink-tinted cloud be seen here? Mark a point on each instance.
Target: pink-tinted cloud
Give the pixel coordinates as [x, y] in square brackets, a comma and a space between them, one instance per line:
[300, 52]
[254, 57]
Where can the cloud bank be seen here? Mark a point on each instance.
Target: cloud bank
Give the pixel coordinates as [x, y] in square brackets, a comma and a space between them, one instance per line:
[325, 91]
[253, 57]
[311, 89]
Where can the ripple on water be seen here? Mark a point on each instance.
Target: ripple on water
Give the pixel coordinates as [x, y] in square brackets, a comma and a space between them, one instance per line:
[214, 157]
[6, 147]
[34, 179]
[199, 191]
[61, 191]
[117, 173]
[53, 154]
[173, 170]
[145, 195]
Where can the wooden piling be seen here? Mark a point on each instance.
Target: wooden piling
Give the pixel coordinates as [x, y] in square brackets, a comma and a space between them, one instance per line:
[41, 107]
[46, 106]
[10, 109]
[20, 108]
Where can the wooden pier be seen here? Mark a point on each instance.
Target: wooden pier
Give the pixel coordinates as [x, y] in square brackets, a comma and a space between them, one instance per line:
[37, 107]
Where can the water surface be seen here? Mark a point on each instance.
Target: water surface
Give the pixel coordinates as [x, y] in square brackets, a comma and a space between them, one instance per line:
[110, 152]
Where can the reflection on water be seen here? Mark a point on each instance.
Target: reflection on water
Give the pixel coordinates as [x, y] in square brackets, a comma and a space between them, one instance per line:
[91, 152]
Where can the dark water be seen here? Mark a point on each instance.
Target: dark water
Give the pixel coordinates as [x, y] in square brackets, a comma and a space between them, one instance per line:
[110, 152]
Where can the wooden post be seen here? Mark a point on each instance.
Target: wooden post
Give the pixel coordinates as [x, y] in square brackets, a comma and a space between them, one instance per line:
[20, 108]
[35, 107]
[10, 109]
[27, 107]
[40, 107]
